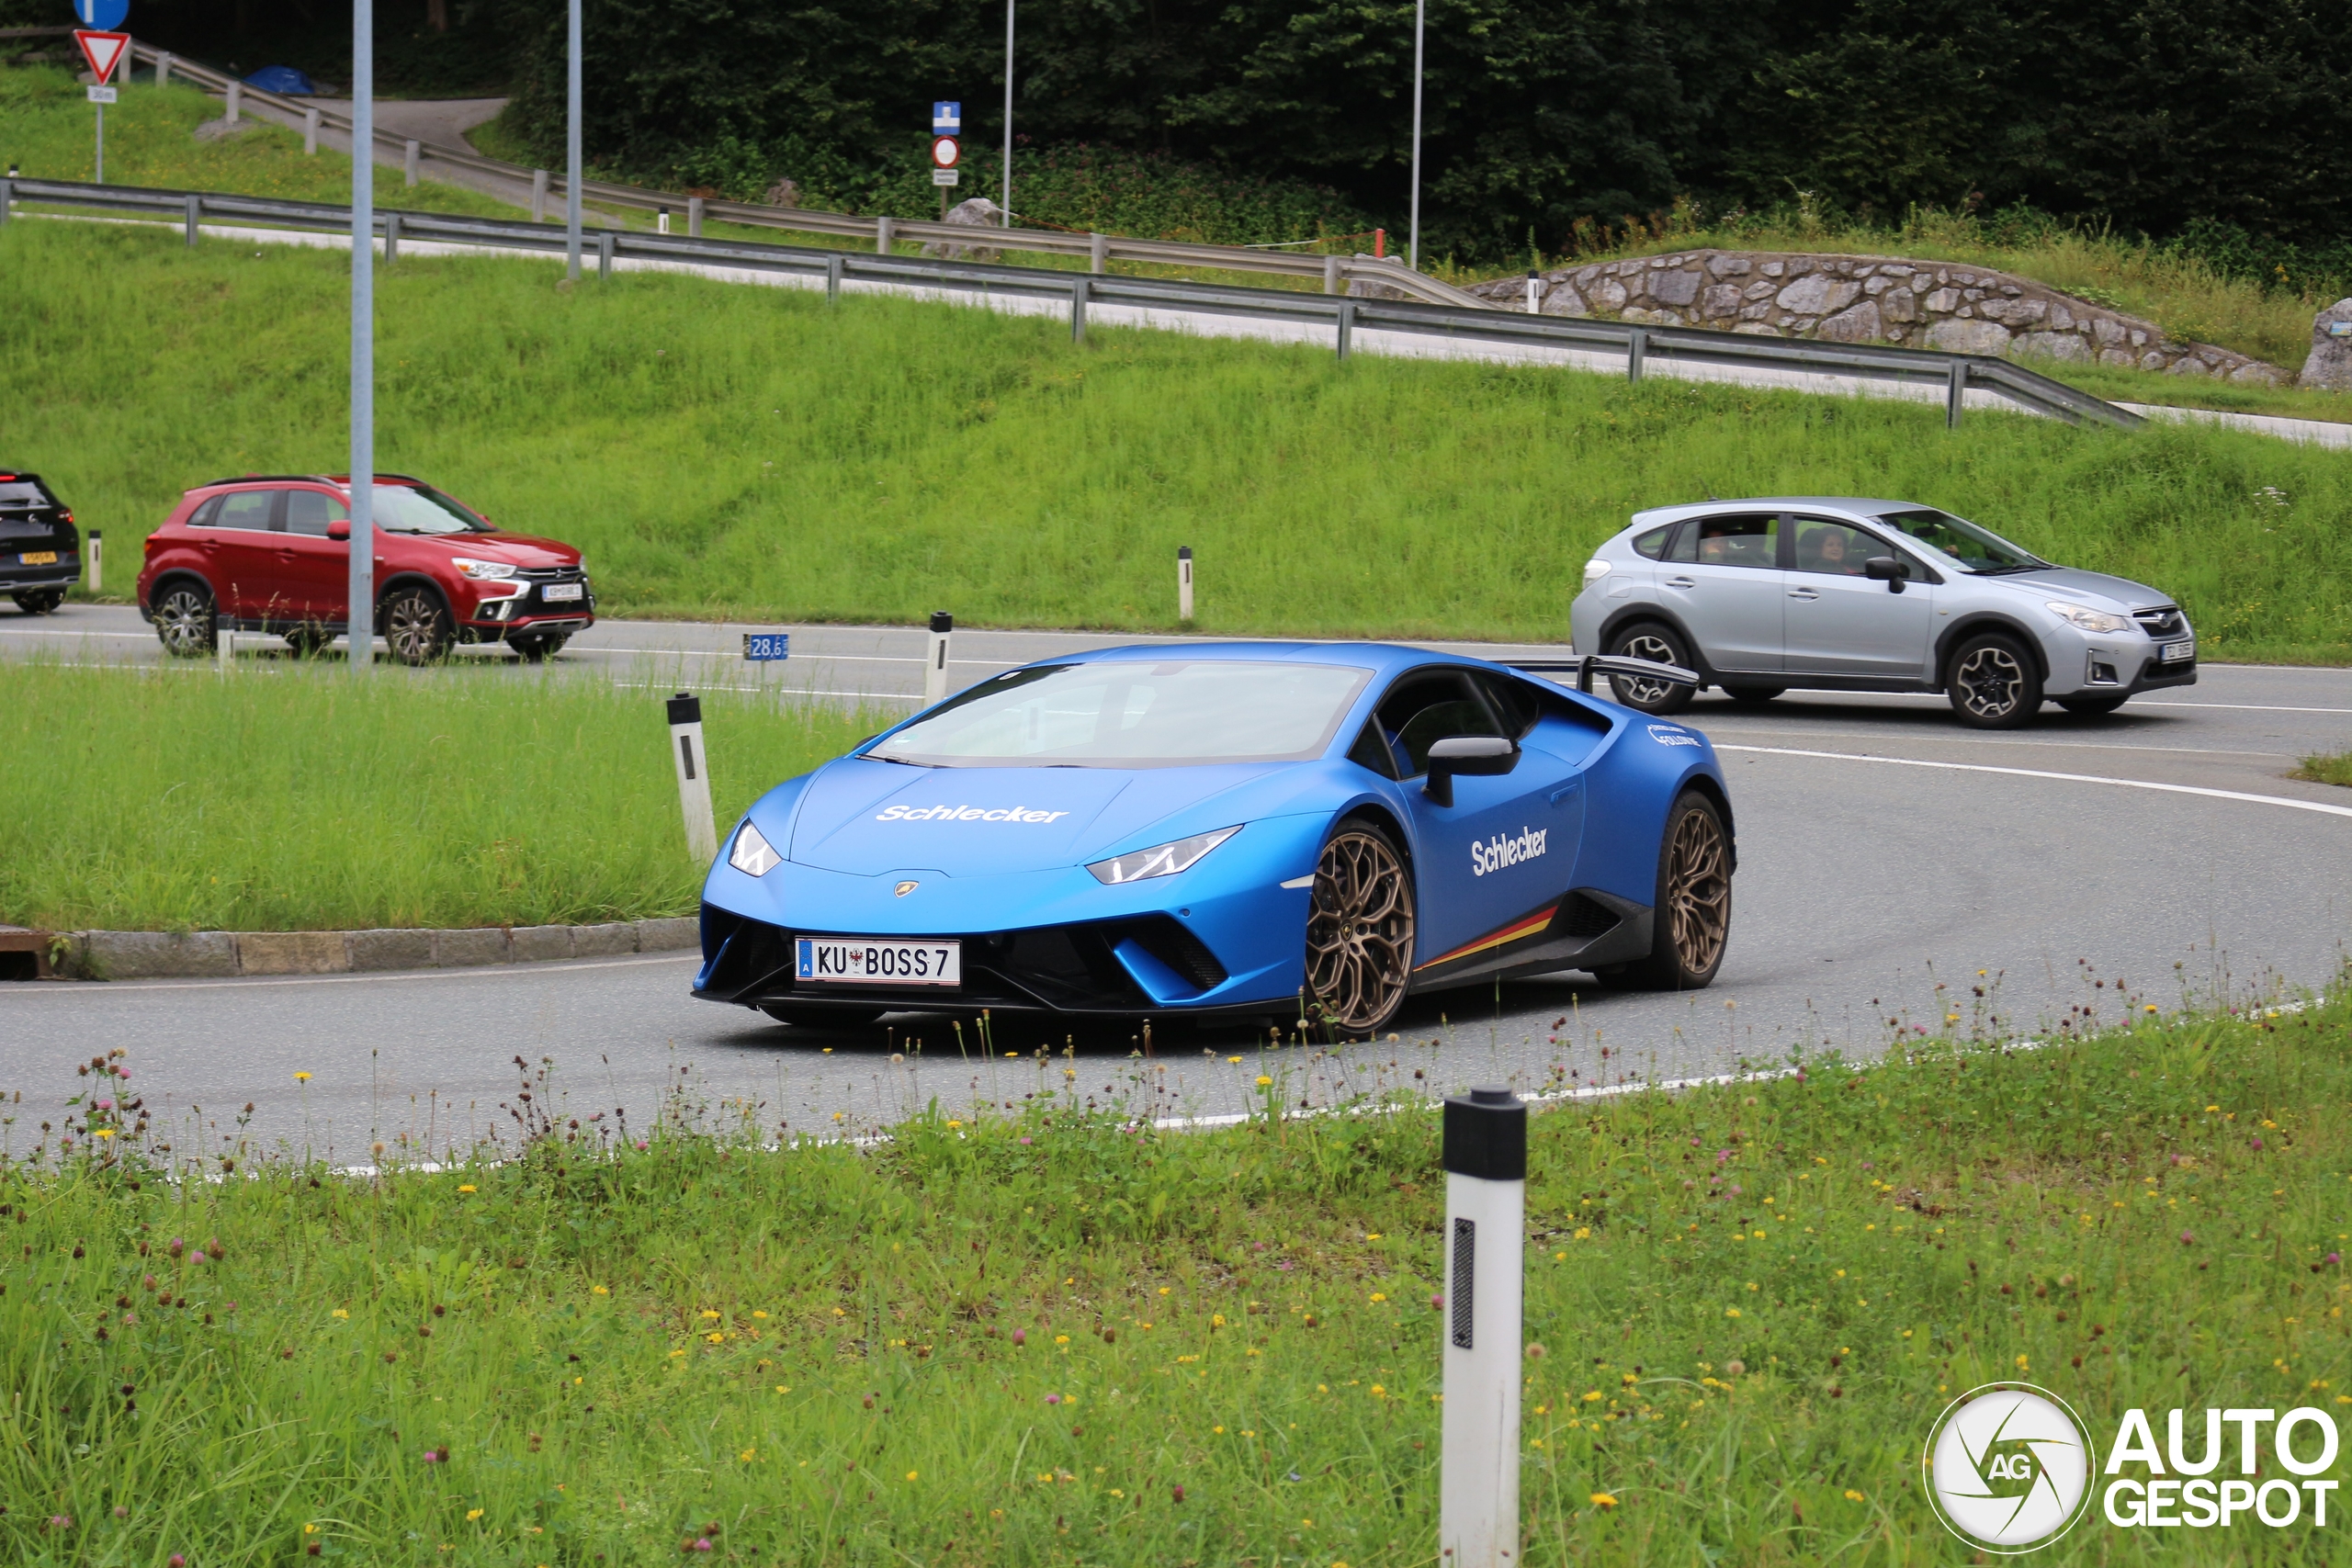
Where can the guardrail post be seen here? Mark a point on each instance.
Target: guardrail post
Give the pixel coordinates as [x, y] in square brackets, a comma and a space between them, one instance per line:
[8, 194]
[832, 280]
[605, 253]
[1636, 350]
[310, 133]
[236, 101]
[885, 229]
[391, 238]
[1098, 249]
[410, 151]
[1078, 311]
[1955, 389]
[1331, 275]
[538, 195]
[1346, 325]
[163, 68]
[694, 218]
[195, 216]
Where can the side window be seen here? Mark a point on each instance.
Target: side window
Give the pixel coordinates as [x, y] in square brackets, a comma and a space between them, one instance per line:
[203, 515]
[1513, 702]
[1748, 539]
[309, 511]
[1652, 545]
[246, 509]
[1424, 708]
[1834, 549]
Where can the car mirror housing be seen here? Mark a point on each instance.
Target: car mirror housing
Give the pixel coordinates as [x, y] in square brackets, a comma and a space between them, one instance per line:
[1478, 755]
[1886, 570]
[339, 530]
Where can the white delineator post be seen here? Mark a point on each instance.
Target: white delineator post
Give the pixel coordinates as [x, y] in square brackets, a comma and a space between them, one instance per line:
[1486, 1227]
[694, 775]
[96, 579]
[1183, 583]
[935, 664]
[1534, 292]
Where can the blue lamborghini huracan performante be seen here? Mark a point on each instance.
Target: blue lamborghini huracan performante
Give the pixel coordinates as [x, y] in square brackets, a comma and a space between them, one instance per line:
[1230, 830]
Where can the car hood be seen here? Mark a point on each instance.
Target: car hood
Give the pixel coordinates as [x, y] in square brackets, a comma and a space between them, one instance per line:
[2074, 583]
[513, 550]
[869, 819]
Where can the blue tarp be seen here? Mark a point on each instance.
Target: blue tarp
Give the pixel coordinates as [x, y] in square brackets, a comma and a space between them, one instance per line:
[283, 80]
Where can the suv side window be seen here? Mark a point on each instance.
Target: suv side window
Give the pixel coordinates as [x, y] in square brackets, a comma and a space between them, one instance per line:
[250, 509]
[1749, 539]
[1424, 708]
[308, 511]
[1652, 545]
[1835, 549]
[203, 515]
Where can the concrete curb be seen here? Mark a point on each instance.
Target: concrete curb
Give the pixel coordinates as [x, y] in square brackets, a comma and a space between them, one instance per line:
[156, 955]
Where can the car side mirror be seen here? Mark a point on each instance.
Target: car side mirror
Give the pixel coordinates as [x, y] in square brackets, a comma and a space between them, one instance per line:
[1479, 756]
[339, 530]
[1886, 570]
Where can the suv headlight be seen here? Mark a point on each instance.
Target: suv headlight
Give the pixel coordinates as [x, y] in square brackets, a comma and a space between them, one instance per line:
[2082, 617]
[1161, 859]
[1595, 570]
[479, 570]
[752, 855]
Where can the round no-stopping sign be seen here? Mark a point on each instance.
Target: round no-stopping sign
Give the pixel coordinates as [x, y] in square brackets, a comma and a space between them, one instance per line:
[944, 151]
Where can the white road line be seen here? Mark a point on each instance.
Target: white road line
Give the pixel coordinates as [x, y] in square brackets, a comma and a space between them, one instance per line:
[469, 971]
[2240, 708]
[2067, 778]
[2040, 745]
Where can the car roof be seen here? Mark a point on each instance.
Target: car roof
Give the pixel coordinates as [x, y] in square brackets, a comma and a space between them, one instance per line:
[1857, 506]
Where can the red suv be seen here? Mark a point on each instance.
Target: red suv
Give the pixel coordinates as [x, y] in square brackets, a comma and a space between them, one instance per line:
[272, 553]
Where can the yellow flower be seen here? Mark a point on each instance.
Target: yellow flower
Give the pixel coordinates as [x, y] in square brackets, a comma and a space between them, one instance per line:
[1853, 1496]
[952, 1122]
[1164, 1290]
[340, 1312]
[1380, 1295]
[1061, 1339]
[1378, 1392]
[599, 1291]
[104, 1132]
[781, 1389]
[465, 1189]
[1730, 1312]
[302, 1077]
[1584, 1233]
[472, 1514]
[2021, 1363]
[1603, 1500]
[1217, 1320]
[1593, 1397]
[715, 1338]
[710, 1315]
[911, 1474]
[763, 1316]
[1263, 1080]
[1373, 1235]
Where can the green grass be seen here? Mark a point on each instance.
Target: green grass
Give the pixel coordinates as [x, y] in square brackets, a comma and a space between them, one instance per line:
[749, 452]
[2334, 770]
[1036, 1336]
[299, 798]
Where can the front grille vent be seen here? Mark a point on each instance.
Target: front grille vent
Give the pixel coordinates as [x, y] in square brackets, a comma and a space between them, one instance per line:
[2164, 620]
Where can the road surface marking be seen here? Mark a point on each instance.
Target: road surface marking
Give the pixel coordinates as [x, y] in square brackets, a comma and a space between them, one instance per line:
[2067, 778]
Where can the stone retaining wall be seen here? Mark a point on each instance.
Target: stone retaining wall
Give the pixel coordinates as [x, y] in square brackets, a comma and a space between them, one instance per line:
[1939, 305]
[147, 955]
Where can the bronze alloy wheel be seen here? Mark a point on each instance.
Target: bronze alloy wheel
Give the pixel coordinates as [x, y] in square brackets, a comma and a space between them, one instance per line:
[1360, 933]
[1698, 892]
[416, 629]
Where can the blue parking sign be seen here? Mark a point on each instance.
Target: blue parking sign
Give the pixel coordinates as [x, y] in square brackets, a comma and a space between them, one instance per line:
[104, 16]
[946, 119]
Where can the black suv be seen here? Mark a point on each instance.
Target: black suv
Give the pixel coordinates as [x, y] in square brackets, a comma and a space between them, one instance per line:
[40, 552]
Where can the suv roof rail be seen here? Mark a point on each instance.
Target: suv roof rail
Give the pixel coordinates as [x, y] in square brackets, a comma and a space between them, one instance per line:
[282, 479]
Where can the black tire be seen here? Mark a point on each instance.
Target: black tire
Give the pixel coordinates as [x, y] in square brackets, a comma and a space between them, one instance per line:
[1993, 683]
[1662, 644]
[1360, 927]
[2092, 707]
[416, 625]
[534, 649]
[822, 1018]
[1690, 923]
[39, 601]
[186, 619]
[1753, 697]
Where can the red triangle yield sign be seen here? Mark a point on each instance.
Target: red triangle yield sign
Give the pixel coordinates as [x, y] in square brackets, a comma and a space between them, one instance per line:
[102, 51]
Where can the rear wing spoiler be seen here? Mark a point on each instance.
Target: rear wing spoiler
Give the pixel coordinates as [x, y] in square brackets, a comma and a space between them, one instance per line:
[1586, 666]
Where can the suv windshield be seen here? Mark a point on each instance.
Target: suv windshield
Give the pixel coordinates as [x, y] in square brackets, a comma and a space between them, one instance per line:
[1128, 714]
[1971, 548]
[420, 509]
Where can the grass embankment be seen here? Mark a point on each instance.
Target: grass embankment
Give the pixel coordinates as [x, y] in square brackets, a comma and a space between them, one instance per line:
[1037, 1336]
[303, 799]
[752, 453]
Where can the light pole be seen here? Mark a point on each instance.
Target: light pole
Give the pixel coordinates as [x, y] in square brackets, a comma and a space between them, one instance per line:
[359, 587]
[1007, 214]
[1413, 239]
[572, 148]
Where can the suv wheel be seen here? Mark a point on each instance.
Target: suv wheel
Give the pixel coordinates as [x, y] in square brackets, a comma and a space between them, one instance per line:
[40, 600]
[1992, 684]
[185, 620]
[416, 626]
[1690, 923]
[1658, 644]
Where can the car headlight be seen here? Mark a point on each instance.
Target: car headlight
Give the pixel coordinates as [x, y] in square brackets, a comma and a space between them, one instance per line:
[2082, 617]
[480, 569]
[1594, 570]
[752, 855]
[1161, 859]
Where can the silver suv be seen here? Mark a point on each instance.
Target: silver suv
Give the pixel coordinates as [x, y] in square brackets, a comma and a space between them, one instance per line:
[1845, 595]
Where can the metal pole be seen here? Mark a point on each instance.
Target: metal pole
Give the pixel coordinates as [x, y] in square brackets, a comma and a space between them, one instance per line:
[1413, 244]
[1183, 583]
[360, 583]
[411, 152]
[100, 177]
[694, 775]
[1078, 311]
[538, 195]
[1485, 1226]
[1637, 347]
[572, 151]
[1955, 390]
[310, 133]
[1007, 204]
[934, 666]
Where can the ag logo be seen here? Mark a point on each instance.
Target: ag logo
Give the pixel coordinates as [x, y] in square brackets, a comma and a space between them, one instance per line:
[2008, 1468]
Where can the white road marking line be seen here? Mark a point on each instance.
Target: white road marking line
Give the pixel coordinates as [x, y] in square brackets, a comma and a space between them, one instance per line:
[2067, 778]
[2240, 708]
[2046, 745]
[85, 990]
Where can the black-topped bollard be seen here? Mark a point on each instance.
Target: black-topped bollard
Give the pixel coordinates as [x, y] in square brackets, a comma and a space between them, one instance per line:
[1485, 1228]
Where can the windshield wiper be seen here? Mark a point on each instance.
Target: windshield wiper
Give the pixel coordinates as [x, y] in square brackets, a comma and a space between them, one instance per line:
[2013, 570]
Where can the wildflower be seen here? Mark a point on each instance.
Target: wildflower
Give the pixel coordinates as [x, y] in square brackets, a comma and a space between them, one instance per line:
[1854, 1496]
[1603, 1500]
[2021, 1366]
[598, 1290]
[1535, 1351]
[1378, 1392]
[1217, 1431]
[1177, 1492]
[1019, 1336]
[911, 1474]
[1263, 1081]
[340, 1312]
[103, 1133]
[1061, 1339]
[176, 1560]
[760, 1315]
[1217, 1320]
[1057, 1399]
[1730, 1312]
[466, 1187]
[710, 1315]
[472, 1514]
[1380, 1295]
[1592, 1396]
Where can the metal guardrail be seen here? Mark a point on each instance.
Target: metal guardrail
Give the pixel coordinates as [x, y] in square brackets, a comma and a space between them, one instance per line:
[1334, 272]
[1343, 316]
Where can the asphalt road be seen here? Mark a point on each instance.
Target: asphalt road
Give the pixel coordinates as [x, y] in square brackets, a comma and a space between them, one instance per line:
[2159, 852]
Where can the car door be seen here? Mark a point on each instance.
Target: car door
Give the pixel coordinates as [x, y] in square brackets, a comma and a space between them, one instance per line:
[1840, 623]
[318, 568]
[1722, 576]
[1507, 840]
[242, 547]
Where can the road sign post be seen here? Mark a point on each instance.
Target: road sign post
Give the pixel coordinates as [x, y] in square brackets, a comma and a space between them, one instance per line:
[946, 150]
[1485, 1156]
[359, 581]
[104, 51]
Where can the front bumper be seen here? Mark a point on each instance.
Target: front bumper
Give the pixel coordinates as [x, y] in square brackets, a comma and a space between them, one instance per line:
[2089, 666]
[496, 618]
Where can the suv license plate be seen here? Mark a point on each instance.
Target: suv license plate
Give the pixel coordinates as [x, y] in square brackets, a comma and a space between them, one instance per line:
[2173, 652]
[876, 961]
[38, 558]
[555, 590]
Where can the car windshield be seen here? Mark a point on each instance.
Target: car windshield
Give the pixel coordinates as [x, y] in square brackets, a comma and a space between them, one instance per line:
[17, 494]
[420, 509]
[1129, 714]
[1971, 548]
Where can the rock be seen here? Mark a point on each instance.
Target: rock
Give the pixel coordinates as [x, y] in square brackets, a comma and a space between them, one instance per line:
[1756, 328]
[1772, 270]
[1877, 286]
[2119, 356]
[2108, 331]
[1860, 324]
[1816, 293]
[978, 212]
[2055, 345]
[669, 935]
[391, 948]
[2188, 364]
[2330, 365]
[784, 193]
[140, 955]
[2254, 372]
[293, 952]
[1943, 302]
[1675, 287]
[1730, 266]
[1640, 317]
[1760, 289]
[1956, 336]
[1722, 299]
[1563, 300]
[1606, 294]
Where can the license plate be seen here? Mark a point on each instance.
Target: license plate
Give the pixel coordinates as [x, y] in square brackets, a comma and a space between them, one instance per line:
[555, 590]
[2173, 652]
[38, 558]
[876, 961]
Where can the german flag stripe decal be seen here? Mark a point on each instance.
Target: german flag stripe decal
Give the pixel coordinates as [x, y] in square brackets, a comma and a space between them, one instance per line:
[1527, 925]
